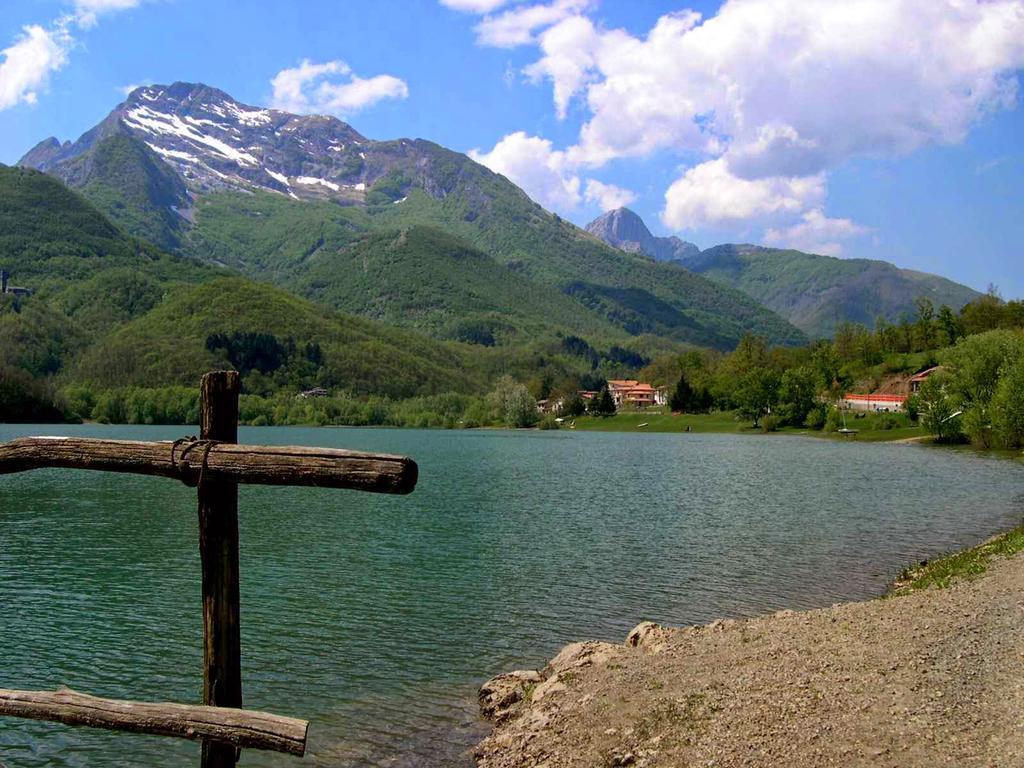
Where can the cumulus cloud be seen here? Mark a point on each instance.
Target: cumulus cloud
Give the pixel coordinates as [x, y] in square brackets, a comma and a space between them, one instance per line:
[41, 51]
[709, 194]
[474, 6]
[531, 163]
[772, 95]
[517, 25]
[607, 196]
[27, 64]
[816, 233]
[87, 12]
[331, 88]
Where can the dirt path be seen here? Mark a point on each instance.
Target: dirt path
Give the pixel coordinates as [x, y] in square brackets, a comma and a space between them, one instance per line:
[934, 678]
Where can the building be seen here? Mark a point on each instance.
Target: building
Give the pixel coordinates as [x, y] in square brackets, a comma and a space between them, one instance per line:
[874, 402]
[920, 378]
[315, 392]
[6, 289]
[635, 394]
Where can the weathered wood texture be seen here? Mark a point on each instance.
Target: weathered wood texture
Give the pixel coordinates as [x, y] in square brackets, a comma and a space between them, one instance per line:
[236, 727]
[218, 554]
[255, 464]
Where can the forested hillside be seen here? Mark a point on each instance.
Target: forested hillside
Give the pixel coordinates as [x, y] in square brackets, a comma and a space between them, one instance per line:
[268, 191]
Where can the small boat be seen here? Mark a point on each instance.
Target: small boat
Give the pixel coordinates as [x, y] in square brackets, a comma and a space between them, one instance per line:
[641, 425]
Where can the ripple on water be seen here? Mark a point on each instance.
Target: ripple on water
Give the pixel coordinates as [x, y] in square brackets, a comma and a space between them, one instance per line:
[377, 617]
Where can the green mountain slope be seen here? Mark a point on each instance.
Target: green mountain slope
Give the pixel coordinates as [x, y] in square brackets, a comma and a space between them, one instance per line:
[632, 291]
[204, 327]
[128, 182]
[425, 278]
[224, 151]
[78, 263]
[818, 293]
[605, 293]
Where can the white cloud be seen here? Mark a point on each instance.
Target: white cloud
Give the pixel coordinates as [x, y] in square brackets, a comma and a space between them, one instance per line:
[710, 195]
[39, 52]
[517, 25]
[816, 233]
[531, 163]
[315, 88]
[607, 196]
[474, 6]
[125, 90]
[87, 12]
[770, 96]
[792, 86]
[27, 64]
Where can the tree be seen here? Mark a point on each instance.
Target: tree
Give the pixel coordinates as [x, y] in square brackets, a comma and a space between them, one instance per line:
[798, 394]
[603, 404]
[572, 406]
[975, 363]
[682, 396]
[1008, 404]
[756, 393]
[512, 403]
[951, 326]
[938, 409]
[924, 326]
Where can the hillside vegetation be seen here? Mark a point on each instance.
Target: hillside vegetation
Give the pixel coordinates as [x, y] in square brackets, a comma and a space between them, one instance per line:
[820, 293]
[275, 340]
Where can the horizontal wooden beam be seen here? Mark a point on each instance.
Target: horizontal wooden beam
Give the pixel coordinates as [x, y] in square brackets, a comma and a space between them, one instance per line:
[259, 464]
[241, 728]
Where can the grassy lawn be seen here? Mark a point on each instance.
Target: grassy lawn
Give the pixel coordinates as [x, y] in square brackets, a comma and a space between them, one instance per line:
[942, 571]
[660, 420]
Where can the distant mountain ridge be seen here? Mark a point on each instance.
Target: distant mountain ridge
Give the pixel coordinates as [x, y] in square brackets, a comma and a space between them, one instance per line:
[278, 196]
[816, 293]
[621, 228]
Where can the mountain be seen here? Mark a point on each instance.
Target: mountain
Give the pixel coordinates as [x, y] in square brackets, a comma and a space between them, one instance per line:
[818, 293]
[279, 197]
[57, 243]
[268, 333]
[111, 310]
[624, 229]
[815, 293]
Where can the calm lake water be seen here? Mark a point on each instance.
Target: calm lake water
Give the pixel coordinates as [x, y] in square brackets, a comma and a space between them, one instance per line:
[377, 617]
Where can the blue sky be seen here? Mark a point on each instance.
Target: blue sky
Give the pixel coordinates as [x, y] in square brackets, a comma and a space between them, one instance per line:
[873, 128]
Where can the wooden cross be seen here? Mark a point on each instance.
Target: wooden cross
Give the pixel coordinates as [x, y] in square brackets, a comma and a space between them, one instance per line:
[215, 464]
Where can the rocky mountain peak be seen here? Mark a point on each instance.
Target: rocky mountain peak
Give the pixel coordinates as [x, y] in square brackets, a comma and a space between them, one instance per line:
[624, 229]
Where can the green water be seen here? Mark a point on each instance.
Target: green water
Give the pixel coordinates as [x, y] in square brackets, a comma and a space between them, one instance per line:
[377, 617]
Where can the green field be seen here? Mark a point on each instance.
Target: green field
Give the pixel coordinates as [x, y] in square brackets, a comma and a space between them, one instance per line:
[660, 420]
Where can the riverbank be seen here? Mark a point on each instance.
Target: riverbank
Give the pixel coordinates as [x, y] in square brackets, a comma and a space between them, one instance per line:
[928, 677]
[871, 428]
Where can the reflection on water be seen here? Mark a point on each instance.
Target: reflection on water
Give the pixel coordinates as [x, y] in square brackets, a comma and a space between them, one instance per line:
[377, 617]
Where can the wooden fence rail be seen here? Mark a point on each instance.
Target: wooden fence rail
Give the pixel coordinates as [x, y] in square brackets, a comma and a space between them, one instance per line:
[237, 727]
[259, 464]
[216, 464]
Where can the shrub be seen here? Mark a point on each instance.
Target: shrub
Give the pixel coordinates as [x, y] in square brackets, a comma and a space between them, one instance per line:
[548, 422]
[816, 417]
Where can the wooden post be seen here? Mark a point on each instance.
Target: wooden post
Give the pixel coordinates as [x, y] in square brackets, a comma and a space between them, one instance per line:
[218, 548]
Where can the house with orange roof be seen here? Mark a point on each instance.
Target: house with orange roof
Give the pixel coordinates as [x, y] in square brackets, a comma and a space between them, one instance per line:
[635, 394]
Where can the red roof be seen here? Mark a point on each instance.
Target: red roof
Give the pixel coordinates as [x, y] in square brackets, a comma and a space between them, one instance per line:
[877, 398]
[925, 374]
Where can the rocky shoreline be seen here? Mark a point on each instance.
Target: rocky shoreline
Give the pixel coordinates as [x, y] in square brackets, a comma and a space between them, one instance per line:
[935, 677]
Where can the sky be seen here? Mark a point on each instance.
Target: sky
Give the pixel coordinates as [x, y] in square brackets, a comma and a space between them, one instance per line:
[888, 129]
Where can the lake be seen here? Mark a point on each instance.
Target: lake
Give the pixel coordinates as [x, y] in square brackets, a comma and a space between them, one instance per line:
[377, 617]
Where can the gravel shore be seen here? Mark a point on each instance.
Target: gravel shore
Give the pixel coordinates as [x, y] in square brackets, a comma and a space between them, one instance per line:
[933, 678]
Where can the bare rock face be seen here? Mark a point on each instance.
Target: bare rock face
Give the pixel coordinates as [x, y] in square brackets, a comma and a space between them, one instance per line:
[500, 695]
[623, 229]
[576, 655]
